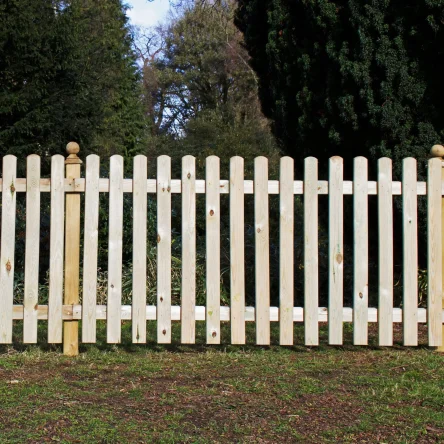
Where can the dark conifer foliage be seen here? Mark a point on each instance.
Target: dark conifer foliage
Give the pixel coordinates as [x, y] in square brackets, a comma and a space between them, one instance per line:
[67, 72]
[349, 77]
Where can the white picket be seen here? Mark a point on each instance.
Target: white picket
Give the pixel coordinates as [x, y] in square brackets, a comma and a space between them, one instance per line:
[188, 322]
[385, 236]
[32, 249]
[311, 255]
[360, 249]
[56, 249]
[140, 204]
[262, 251]
[434, 252]
[286, 251]
[212, 190]
[410, 252]
[7, 248]
[336, 252]
[115, 241]
[90, 246]
[188, 313]
[237, 248]
[163, 250]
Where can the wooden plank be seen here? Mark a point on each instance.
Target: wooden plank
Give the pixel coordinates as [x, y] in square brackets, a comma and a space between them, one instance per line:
[74, 312]
[140, 205]
[32, 249]
[7, 248]
[176, 187]
[78, 185]
[57, 229]
[434, 253]
[72, 252]
[188, 326]
[360, 250]
[213, 249]
[410, 252]
[115, 240]
[237, 247]
[385, 222]
[336, 251]
[440, 348]
[163, 250]
[90, 249]
[286, 251]
[311, 255]
[262, 251]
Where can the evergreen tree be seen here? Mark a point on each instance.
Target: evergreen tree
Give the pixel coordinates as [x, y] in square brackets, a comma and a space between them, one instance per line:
[349, 77]
[67, 72]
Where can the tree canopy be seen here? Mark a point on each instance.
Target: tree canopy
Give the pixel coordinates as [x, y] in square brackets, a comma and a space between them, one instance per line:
[349, 77]
[200, 93]
[67, 72]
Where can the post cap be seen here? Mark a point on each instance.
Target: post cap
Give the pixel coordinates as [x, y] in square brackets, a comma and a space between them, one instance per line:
[72, 148]
[437, 151]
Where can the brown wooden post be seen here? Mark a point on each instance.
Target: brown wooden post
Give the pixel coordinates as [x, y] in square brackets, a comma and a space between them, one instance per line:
[438, 151]
[72, 249]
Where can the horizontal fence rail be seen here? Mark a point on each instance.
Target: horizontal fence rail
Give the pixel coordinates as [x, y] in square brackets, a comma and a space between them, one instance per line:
[64, 246]
[79, 185]
[74, 312]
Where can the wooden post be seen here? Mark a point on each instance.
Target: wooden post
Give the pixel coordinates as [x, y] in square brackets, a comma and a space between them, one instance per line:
[438, 151]
[72, 250]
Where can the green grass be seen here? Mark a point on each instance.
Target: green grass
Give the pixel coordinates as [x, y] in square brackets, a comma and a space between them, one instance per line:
[200, 394]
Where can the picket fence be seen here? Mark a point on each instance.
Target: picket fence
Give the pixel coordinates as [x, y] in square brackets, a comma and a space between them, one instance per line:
[63, 306]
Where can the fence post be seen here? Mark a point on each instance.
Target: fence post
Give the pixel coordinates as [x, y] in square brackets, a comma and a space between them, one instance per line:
[438, 151]
[72, 250]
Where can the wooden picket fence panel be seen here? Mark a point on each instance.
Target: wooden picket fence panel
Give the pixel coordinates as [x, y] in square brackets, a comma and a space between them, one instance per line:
[60, 187]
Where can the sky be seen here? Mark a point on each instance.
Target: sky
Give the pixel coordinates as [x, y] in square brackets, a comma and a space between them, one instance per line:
[145, 13]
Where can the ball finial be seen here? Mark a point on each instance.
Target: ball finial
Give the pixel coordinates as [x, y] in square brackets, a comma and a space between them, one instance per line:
[72, 148]
[437, 151]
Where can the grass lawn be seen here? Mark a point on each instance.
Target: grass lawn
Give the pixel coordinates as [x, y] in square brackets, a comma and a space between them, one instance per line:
[199, 394]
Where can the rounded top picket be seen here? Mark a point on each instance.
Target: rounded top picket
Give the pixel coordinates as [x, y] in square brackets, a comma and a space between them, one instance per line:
[336, 160]
[437, 151]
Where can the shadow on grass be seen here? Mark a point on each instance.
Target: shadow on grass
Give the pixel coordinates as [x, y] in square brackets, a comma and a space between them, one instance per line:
[200, 346]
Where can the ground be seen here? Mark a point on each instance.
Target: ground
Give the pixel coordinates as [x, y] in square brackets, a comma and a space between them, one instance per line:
[200, 394]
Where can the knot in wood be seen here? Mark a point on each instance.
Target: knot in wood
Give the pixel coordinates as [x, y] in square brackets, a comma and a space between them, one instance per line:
[8, 266]
[214, 334]
[339, 258]
[189, 175]
[211, 213]
[164, 332]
